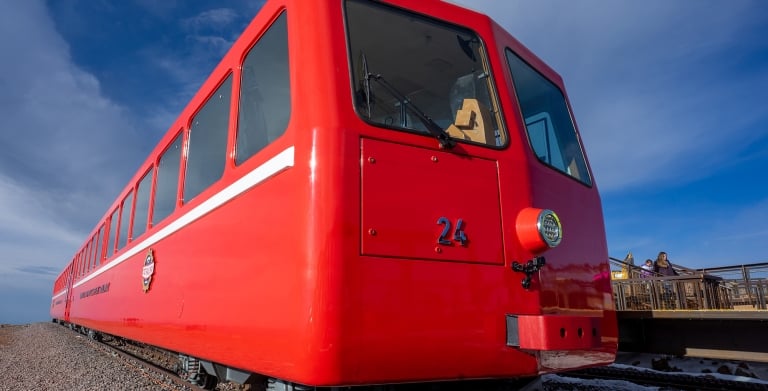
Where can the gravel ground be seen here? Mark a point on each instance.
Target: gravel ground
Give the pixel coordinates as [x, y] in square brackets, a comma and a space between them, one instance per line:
[46, 356]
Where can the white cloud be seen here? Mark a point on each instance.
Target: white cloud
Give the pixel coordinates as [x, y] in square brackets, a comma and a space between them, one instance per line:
[26, 213]
[66, 149]
[654, 84]
[219, 44]
[207, 38]
[214, 19]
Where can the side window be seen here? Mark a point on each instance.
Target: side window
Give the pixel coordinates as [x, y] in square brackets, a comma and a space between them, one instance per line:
[93, 253]
[265, 94]
[88, 256]
[547, 120]
[142, 205]
[99, 239]
[167, 186]
[207, 146]
[125, 220]
[112, 233]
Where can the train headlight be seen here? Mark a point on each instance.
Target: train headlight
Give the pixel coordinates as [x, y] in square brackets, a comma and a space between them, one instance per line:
[538, 229]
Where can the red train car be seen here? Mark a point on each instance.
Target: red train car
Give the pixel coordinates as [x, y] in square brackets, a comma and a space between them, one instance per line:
[362, 192]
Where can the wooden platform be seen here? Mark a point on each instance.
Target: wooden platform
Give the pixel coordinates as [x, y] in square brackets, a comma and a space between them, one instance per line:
[725, 334]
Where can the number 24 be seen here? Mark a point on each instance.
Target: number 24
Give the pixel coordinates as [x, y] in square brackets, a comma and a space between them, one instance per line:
[458, 233]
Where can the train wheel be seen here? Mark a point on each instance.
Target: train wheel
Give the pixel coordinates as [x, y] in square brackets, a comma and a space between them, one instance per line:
[94, 335]
[208, 382]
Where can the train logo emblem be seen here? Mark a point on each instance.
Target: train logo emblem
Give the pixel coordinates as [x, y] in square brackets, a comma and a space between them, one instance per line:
[148, 270]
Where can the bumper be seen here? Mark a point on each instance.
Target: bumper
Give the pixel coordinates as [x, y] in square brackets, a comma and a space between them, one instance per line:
[553, 332]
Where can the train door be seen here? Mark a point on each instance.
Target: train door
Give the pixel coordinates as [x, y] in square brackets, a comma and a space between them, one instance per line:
[429, 161]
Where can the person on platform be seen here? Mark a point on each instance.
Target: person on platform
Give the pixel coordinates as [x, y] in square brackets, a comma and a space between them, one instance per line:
[662, 267]
[647, 267]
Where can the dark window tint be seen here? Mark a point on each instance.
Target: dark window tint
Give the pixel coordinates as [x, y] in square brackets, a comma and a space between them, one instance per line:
[407, 67]
[265, 100]
[142, 205]
[93, 253]
[88, 257]
[99, 239]
[112, 233]
[167, 181]
[125, 220]
[547, 120]
[207, 151]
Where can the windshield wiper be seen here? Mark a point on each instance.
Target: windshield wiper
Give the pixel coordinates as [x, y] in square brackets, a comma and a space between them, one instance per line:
[446, 142]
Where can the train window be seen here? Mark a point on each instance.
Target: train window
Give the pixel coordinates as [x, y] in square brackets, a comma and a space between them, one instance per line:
[414, 73]
[142, 204]
[207, 145]
[99, 239]
[93, 253]
[112, 233]
[167, 186]
[265, 99]
[547, 120]
[94, 244]
[87, 257]
[125, 220]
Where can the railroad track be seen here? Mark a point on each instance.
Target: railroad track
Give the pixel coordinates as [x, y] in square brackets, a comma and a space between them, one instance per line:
[145, 361]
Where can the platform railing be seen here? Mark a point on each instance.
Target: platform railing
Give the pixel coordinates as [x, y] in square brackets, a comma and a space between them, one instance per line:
[671, 293]
[742, 287]
[748, 284]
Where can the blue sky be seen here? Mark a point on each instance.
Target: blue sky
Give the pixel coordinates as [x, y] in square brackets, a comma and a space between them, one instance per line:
[671, 99]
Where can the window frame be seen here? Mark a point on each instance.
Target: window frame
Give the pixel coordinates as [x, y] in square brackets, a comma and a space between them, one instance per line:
[238, 89]
[228, 77]
[137, 190]
[496, 111]
[180, 136]
[125, 225]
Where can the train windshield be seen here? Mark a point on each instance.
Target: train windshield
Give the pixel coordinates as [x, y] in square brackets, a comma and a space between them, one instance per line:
[413, 73]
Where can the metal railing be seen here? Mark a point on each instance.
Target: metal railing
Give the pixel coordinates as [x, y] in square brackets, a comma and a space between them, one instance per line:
[747, 284]
[671, 293]
[742, 287]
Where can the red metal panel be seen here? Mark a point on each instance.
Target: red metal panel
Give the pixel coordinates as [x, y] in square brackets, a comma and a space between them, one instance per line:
[559, 332]
[413, 197]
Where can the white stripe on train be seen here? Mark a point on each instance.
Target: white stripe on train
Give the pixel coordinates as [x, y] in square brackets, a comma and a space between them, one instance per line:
[280, 162]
